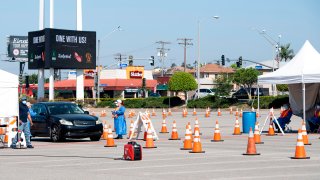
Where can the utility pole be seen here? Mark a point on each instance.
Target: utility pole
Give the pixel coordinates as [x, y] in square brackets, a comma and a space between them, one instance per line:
[185, 42]
[162, 53]
[119, 57]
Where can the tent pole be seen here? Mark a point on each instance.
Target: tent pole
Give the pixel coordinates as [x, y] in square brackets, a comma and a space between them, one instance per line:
[304, 101]
[258, 97]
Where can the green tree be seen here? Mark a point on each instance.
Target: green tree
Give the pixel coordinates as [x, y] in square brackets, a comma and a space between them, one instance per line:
[282, 87]
[33, 79]
[182, 81]
[246, 78]
[286, 53]
[234, 66]
[224, 85]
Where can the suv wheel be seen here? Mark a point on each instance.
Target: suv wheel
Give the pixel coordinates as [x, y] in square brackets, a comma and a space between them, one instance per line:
[56, 134]
[95, 138]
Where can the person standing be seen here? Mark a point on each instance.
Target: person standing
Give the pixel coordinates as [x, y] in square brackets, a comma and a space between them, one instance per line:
[24, 115]
[119, 119]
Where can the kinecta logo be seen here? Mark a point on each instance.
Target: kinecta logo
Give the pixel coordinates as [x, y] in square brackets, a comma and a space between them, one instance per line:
[37, 57]
[64, 56]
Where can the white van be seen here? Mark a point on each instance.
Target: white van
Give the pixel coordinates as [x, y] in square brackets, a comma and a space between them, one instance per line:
[203, 93]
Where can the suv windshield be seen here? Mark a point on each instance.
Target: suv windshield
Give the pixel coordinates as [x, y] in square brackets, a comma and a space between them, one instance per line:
[64, 109]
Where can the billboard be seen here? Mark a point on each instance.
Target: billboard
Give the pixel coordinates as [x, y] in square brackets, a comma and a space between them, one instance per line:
[135, 72]
[18, 47]
[62, 49]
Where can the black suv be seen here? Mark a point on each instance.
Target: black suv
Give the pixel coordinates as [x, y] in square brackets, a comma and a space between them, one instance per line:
[242, 93]
[60, 120]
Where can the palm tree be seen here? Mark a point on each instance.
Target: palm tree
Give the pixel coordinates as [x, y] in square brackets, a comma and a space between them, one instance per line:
[286, 53]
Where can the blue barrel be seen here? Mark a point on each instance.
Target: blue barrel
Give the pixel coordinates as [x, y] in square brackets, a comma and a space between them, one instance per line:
[248, 120]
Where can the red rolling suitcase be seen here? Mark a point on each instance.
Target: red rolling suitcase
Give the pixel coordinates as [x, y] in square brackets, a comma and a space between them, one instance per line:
[132, 151]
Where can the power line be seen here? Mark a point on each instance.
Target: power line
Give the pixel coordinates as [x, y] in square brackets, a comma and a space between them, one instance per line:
[162, 53]
[185, 42]
[119, 57]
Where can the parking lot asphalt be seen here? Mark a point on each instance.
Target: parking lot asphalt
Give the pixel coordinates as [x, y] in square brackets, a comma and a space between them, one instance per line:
[83, 159]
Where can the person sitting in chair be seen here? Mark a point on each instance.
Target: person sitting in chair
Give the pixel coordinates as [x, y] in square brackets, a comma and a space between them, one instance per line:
[284, 118]
[314, 122]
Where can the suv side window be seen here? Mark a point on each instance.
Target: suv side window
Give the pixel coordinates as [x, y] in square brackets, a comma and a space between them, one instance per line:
[42, 109]
[35, 108]
[202, 90]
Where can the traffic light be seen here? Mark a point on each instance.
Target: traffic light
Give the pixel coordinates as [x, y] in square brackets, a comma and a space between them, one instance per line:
[20, 79]
[223, 60]
[238, 64]
[130, 60]
[144, 84]
[27, 82]
[151, 61]
[240, 60]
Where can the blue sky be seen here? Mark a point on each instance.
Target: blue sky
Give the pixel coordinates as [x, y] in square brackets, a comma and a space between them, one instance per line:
[144, 22]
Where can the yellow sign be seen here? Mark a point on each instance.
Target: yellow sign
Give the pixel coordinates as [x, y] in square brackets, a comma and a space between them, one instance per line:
[135, 72]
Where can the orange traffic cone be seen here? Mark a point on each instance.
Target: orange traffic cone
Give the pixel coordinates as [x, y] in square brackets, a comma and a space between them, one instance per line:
[271, 129]
[251, 147]
[169, 112]
[164, 114]
[240, 115]
[153, 112]
[257, 114]
[131, 129]
[197, 146]
[237, 112]
[207, 113]
[164, 127]
[304, 134]
[231, 110]
[149, 141]
[190, 130]
[6, 136]
[187, 143]
[217, 135]
[236, 130]
[194, 112]
[219, 112]
[256, 136]
[105, 132]
[174, 134]
[184, 113]
[300, 151]
[110, 140]
[196, 126]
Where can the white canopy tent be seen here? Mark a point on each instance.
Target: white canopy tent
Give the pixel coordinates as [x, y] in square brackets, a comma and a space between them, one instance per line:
[302, 75]
[9, 98]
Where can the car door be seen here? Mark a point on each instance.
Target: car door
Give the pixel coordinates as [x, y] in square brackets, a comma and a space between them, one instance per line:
[40, 120]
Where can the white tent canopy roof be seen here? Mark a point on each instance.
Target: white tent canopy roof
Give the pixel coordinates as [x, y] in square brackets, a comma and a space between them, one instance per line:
[8, 94]
[303, 68]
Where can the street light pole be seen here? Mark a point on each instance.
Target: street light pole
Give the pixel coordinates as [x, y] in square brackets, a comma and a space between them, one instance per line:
[98, 61]
[198, 59]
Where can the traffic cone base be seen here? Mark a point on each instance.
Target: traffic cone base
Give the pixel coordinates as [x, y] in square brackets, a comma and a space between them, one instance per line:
[174, 139]
[197, 152]
[237, 134]
[300, 158]
[308, 144]
[164, 132]
[271, 134]
[217, 140]
[185, 148]
[150, 147]
[110, 146]
[259, 142]
[255, 154]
